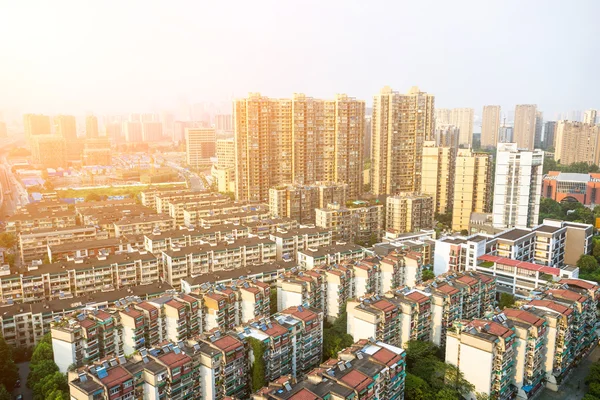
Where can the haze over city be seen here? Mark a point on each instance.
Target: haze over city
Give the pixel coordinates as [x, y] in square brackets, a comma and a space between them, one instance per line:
[112, 56]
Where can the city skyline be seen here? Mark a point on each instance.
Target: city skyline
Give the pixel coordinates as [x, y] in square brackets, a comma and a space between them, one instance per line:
[148, 61]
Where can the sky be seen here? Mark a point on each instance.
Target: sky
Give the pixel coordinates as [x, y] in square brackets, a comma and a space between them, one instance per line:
[135, 56]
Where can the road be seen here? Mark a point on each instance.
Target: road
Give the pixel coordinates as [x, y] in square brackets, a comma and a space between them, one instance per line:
[24, 390]
[575, 388]
[14, 194]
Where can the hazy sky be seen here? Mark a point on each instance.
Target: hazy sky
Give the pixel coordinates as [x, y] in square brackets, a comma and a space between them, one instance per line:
[121, 56]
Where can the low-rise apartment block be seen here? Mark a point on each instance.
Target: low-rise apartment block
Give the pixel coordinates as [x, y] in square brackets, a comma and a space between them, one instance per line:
[191, 261]
[159, 241]
[327, 255]
[288, 243]
[29, 220]
[34, 245]
[143, 225]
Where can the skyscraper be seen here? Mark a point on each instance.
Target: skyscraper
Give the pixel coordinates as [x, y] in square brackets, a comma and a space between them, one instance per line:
[524, 130]
[462, 118]
[472, 187]
[577, 142]
[539, 126]
[589, 117]
[36, 124]
[490, 127]
[298, 140]
[223, 122]
[91, 127]
[446, 136]
[443, 116]
[65, 126]
[200, 146]
[438, 175]
[400, 125]
[152, 131]
[517, 186]
[133, 131]
[48, 150]
[549, 134]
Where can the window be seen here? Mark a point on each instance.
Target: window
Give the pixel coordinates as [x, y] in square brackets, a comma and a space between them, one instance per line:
[115, 390]
[128, 384]
[176, 371]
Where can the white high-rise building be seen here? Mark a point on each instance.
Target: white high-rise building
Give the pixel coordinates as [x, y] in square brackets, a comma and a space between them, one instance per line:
[589, 117]
[517, 186]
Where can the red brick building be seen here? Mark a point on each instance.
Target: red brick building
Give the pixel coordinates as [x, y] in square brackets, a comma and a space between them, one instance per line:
[571, 187]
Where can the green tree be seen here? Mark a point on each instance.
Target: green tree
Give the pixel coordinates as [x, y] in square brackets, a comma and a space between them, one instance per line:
[590, 397]
[417, 350]
[455, 380]
[93, 197]
[43, 351]
[416, 388]
[464, 232]
[594, 373]
[507, 300]
[596, 250]
[336, 337]
[481, 396]
[40, 370]
[447, 394]
[258, 369]
[9, 258]
[594, 389]
[49, 384]
[587, 264]
[428, 275]
[9, 372]
[57, 395]
[8, 240]
[4, 394]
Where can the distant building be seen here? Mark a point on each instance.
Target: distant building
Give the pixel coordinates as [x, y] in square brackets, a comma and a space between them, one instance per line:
[506, 134]
[525, 126]
[91, 127]
[152, 131]
[36, 124]
[462, 118]
[48, 150]
[549, 135]
[490, 127]
[517, 186]
[539, 127]
[299, 202]
[96, 151]
[224, 123]
[577, 142]
[65, 126]
[589, 117]
[133, 131]
[200, 146]
[446, 136]
[224, 170]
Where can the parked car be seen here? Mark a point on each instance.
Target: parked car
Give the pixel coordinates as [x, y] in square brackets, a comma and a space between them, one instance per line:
[18, 383]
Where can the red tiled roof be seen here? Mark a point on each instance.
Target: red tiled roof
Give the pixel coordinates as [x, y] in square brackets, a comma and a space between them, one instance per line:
[520, 264]
[188, 298]
[448, 289]
[386, 356]
[116, 376]
[132, 312]
[305, 315]
[356, 380]
[417, 296]
[553, 306]
[524, 316]
[173, 360]
[567, 294]
[384, 305]
[493, 328]
[103, 315]
[87, 323]
[227, 343]
[276, 330]
[251, 289]
[580, 283]
[175, 304]
[146, 306]
[304, 394]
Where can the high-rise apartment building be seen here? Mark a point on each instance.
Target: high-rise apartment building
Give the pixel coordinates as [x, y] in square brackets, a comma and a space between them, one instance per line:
[539, 127]
[298, 140]
[224, 170]
[438, 175]
[167, 119]
[443, 116]
[368, 137]
[409, 212]
[48, 150]
[65, 126]
[472, 186]
[490, 127]
[517, 186]
[525, 122]
[400, 125]
[200, 146]
[224, 123]
[462, 118]
[446, 136]
[549, 135]
[300, 201]
[91, 127]
[577, 142]
[589, 117]
[506, 134]
[36, 124]
[152, 131]
[133, 131]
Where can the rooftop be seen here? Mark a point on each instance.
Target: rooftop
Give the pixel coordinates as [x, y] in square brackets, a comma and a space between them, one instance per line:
[513, 234]
[520, 264]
